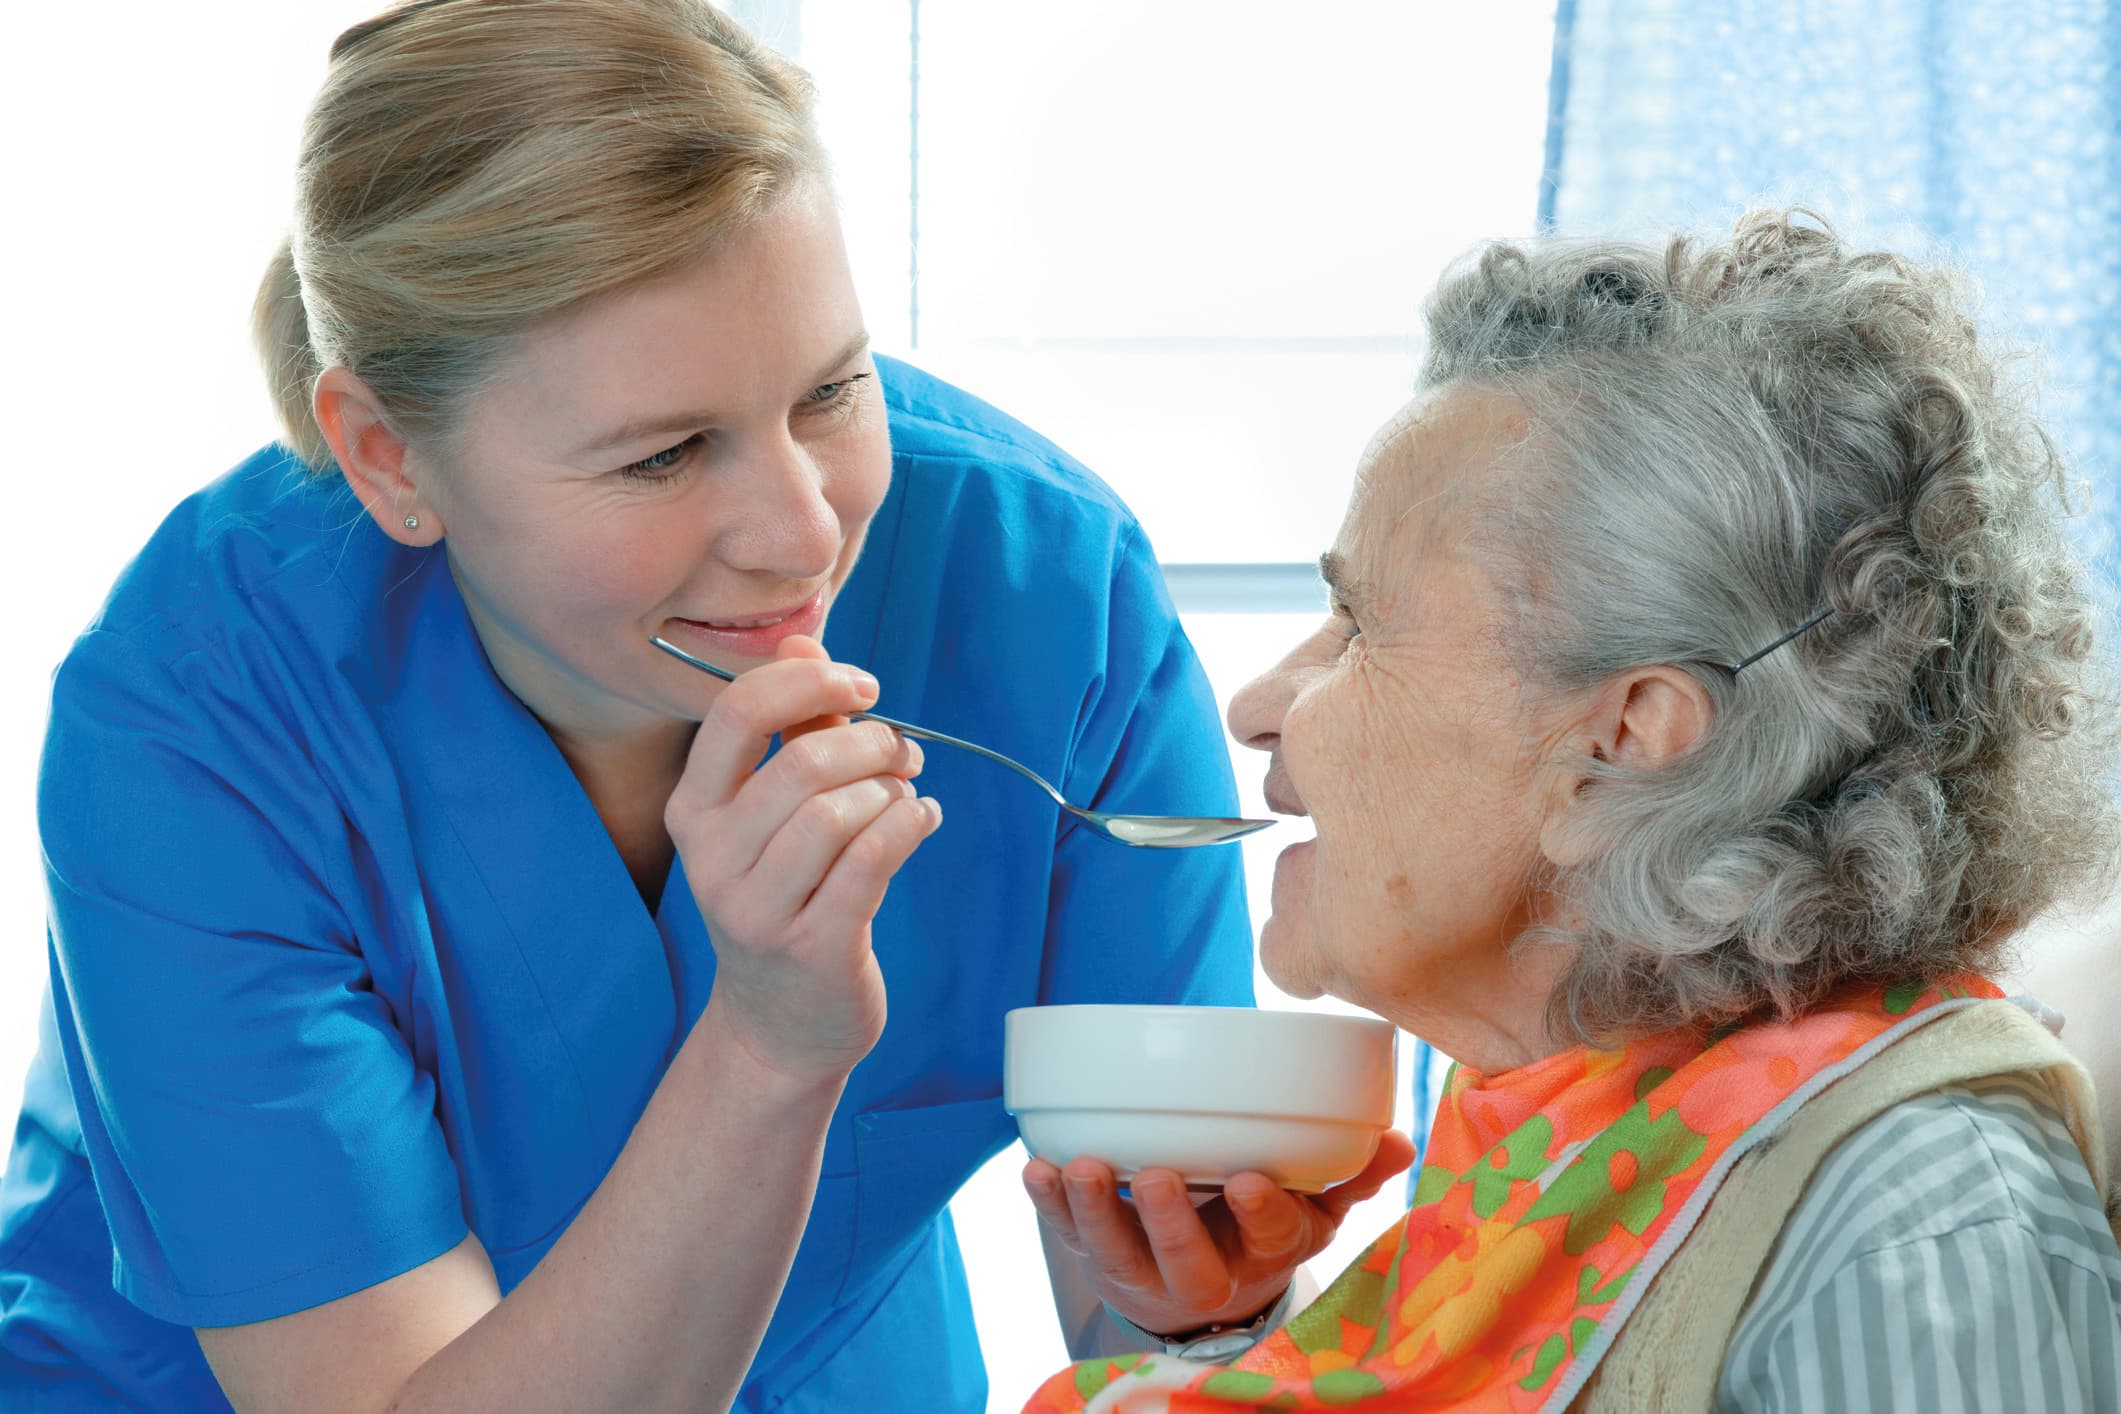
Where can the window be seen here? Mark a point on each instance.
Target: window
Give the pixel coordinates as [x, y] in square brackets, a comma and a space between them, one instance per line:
[1187, 240]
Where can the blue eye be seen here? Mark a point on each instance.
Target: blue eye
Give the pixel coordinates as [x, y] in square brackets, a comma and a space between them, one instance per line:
[833, 396]
[664, 464]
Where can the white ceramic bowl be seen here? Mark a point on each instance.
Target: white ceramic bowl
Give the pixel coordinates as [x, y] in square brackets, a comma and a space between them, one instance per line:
[1302, 1097]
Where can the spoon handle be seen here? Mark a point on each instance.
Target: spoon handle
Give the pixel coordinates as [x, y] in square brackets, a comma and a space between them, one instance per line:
[713, 670]
[902, 728]
[924, 734]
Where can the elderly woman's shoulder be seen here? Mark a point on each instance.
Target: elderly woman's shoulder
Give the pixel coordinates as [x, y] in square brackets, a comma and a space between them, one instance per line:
[1954, 1241]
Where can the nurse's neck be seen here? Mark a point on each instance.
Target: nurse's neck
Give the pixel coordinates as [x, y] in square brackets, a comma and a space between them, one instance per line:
[628, 780]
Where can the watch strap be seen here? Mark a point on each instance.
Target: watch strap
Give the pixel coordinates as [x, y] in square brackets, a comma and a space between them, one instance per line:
[1216, 1342]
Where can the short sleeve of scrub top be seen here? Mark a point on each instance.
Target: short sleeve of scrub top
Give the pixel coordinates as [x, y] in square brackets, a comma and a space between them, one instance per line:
[345, 966]
[262, 1135]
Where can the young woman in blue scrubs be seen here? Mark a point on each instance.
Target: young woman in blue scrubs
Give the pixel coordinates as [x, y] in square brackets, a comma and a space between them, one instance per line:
[447, 1007]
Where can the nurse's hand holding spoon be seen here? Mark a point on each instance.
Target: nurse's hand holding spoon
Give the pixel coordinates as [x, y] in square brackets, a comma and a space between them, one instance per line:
[789, 861]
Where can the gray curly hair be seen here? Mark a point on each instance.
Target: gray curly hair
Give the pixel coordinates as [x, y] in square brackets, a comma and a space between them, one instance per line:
[1725, 440]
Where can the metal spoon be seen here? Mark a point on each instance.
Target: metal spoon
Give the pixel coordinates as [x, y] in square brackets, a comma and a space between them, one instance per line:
[1143, 831]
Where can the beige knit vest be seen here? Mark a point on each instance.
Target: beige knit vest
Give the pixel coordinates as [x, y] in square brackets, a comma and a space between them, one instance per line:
[1669, 1353]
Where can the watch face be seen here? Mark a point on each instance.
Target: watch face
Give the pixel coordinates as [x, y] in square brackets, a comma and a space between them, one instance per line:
[1226, 1346]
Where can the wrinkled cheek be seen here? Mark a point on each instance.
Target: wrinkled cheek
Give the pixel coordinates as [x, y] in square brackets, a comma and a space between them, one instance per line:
[1328, 748]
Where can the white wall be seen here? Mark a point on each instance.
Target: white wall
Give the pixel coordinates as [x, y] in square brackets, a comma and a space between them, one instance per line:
[151, 159]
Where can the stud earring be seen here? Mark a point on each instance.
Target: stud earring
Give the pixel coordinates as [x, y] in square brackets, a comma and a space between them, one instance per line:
[412, 522]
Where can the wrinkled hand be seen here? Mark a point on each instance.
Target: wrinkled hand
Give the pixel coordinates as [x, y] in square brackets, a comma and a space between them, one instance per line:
[789, 861]
[1169, 1267]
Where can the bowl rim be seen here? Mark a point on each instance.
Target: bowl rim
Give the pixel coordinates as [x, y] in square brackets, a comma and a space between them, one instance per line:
[1164, 1009]
[1195, 1111]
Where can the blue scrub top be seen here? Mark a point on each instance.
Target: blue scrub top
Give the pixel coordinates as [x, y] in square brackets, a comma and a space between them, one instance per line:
[343, 961]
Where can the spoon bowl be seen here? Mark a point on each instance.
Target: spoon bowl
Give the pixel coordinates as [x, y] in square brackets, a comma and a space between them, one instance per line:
[1140, 831]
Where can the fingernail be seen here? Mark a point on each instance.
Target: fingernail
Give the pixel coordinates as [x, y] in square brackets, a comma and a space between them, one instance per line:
[1249, 1202]
[935, 810]
[1079, 1185]
[1041, 1187]
[866, 685]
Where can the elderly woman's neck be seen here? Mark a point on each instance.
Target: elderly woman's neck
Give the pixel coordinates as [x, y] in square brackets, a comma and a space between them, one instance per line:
[1490, 1049]
[1495, 1024]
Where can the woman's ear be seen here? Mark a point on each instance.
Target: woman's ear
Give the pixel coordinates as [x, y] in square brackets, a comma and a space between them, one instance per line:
[1640, 720]
[371, 454]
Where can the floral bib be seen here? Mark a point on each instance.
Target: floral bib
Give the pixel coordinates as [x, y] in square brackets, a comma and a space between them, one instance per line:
[1549, 1197]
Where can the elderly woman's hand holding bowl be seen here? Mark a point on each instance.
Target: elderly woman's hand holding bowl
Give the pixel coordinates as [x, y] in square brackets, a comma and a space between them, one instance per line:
[1241, 1138]
[1707, 699]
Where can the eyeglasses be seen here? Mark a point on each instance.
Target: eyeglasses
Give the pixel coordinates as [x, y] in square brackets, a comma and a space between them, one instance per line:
[1732, 670]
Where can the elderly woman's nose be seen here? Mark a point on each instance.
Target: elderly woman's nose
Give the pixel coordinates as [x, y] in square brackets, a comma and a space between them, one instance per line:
[787, 524]
[1259, 706]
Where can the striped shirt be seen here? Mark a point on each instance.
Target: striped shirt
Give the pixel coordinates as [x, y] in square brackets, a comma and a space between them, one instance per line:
[1951, 1255]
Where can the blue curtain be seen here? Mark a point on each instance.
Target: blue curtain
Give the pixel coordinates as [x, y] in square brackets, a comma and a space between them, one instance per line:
[1987, 132]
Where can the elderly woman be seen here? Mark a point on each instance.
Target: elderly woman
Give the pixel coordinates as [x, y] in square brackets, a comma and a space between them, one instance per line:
[1706, 702]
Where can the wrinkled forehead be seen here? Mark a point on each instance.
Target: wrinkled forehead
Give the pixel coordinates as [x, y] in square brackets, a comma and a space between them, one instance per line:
[1428, 467]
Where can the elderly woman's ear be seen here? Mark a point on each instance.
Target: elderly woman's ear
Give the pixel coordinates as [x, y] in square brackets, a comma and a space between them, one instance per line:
[1639, 720]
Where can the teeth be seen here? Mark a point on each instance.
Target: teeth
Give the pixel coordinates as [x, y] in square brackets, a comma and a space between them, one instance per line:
[760, 623]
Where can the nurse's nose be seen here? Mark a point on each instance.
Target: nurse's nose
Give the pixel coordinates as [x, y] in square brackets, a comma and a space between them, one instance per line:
[785, 525]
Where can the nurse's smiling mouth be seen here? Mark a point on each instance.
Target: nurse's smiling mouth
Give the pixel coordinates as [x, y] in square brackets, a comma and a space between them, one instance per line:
[755, 635]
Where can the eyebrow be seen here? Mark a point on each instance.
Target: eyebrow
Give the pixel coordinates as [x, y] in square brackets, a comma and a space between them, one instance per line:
[662, 423]
[1346, 589]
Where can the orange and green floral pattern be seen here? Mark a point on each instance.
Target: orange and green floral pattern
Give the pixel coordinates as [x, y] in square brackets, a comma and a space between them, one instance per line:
[1547, 1195]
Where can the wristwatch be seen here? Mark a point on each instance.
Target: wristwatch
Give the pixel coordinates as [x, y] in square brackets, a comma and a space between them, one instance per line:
[1214, 1343]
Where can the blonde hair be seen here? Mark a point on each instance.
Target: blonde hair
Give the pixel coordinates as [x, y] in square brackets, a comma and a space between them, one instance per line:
[472, 167]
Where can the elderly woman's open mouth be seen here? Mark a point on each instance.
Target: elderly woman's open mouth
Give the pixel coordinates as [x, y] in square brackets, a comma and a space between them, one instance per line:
[1281, 796]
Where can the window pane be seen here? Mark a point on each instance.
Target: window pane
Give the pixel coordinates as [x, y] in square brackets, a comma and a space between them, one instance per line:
[1224, 455]
[1188, 241]
[1202, 167]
